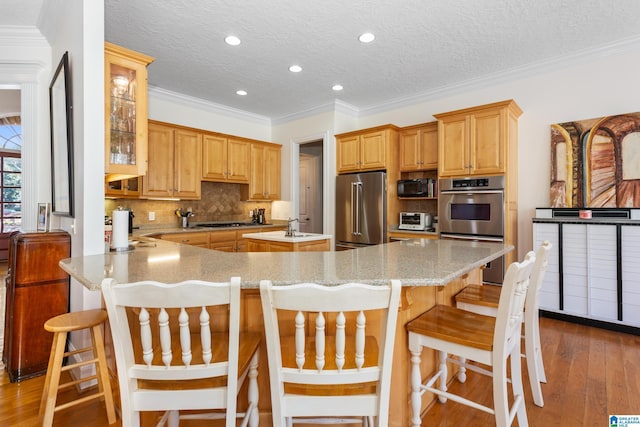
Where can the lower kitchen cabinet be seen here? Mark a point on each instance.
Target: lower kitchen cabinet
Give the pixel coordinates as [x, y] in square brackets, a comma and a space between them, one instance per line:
[200, 239]
[255, 245]
[394, 236]
[225, 241]
[593, 272]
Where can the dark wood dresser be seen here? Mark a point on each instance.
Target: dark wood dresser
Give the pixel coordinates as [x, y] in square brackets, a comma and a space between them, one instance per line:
[37, 289]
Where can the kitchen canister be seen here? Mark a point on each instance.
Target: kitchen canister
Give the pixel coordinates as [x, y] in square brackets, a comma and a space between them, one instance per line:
[120, 232]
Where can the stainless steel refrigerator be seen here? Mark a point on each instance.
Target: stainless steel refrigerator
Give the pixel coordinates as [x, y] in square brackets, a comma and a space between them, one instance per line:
[361, 210]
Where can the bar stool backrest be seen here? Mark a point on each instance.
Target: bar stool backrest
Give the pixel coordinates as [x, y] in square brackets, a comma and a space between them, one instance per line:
[166, 335]
[328, 353]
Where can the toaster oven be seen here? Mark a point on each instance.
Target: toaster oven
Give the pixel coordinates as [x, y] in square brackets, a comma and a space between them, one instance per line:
[414, 221]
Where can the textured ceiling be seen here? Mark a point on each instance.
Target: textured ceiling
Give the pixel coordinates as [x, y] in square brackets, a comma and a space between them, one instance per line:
[421, 46]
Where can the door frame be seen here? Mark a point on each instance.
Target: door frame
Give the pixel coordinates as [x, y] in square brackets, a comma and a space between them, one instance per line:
[327, 196]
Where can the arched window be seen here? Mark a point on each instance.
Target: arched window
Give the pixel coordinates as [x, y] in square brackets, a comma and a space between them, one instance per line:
[631, 156]
[10, 174]
[10, 134]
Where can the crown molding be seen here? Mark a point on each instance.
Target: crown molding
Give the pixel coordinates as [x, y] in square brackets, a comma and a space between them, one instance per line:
[620, 46]
[329, 107]
[202, 104]
[18, 35]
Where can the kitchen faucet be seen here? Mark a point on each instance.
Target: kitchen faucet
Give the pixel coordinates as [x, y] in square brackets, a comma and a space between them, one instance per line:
[290, 231]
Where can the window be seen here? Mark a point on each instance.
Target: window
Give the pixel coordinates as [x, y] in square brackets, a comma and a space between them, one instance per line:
[10, 174]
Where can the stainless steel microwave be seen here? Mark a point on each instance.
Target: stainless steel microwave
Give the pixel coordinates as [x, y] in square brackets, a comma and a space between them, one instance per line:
[420, 187]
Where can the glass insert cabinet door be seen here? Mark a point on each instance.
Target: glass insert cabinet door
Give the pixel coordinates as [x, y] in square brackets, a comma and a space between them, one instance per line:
[125, 112]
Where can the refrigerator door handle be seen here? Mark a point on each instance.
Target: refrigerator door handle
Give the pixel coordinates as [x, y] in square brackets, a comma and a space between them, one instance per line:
[355, 209]
[358, 188]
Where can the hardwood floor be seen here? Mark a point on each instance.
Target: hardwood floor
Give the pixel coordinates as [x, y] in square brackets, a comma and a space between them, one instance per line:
[592, 373]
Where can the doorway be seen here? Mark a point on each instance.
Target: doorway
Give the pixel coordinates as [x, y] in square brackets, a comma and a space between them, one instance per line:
[10, 168]
[310, 186]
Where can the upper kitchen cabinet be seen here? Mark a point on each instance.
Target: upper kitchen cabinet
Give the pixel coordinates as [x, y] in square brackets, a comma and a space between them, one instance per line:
[123, 188]
[265, 172]
[175, 166]
[478, 141]
[125, 105]
[419, 147]
[368, 149]
[225, 159]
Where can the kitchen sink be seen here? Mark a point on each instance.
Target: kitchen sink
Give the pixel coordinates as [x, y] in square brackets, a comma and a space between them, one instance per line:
[296, 234]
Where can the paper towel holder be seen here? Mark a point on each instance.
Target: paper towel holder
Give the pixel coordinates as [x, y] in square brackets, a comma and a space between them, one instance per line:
[128, 214]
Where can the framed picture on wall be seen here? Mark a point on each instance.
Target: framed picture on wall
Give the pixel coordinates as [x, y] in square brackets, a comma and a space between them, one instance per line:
[61, 140]
[43, 216]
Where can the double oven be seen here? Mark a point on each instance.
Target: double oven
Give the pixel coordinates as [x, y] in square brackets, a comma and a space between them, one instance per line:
[473, 209]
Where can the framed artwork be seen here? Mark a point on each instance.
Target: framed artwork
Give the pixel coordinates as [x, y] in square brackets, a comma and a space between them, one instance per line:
[61, 140]
[595, 163]
[43, 217]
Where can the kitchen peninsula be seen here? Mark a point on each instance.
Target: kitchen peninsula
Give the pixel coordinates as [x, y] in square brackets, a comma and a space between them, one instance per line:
[431, 272]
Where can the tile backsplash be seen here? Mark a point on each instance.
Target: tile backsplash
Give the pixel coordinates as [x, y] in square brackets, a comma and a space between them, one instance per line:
[219, 202]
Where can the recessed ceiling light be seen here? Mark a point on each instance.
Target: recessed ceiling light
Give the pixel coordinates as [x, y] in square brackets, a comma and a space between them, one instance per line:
[232, 40]
[337, 87]
[295, 68]
[241, 92]
[366, 37]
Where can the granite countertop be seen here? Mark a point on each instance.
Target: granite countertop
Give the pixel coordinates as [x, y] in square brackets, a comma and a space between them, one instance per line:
[279, 236]
[416, 262]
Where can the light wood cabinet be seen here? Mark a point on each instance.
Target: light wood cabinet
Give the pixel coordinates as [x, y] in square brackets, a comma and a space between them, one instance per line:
[123, 188]
[368, 149]
[225, 241]
[478, 141]
[265, 172]
[225, 159]
[125, 105]
[257, 245]
[419, 147]
[174, 162]
[193, 238]
[402, 235]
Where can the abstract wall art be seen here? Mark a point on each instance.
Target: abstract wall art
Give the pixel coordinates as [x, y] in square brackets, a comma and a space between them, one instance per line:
[596, 163]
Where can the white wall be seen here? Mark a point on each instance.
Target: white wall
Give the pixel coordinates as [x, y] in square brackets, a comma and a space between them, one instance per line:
[77, 26]
[183, 110]
[9, 102]
[589, 85]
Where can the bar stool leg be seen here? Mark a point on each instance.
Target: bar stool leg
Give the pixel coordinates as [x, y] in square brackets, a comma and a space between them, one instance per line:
[104, 384]
[416, 383]
[52, 381]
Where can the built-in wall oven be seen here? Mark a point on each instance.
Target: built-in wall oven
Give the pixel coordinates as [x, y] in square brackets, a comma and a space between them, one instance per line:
[473, 209]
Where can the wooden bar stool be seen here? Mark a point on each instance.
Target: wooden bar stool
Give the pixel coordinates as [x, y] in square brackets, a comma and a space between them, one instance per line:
[483, 299]
[61, 325]
[484, 339]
